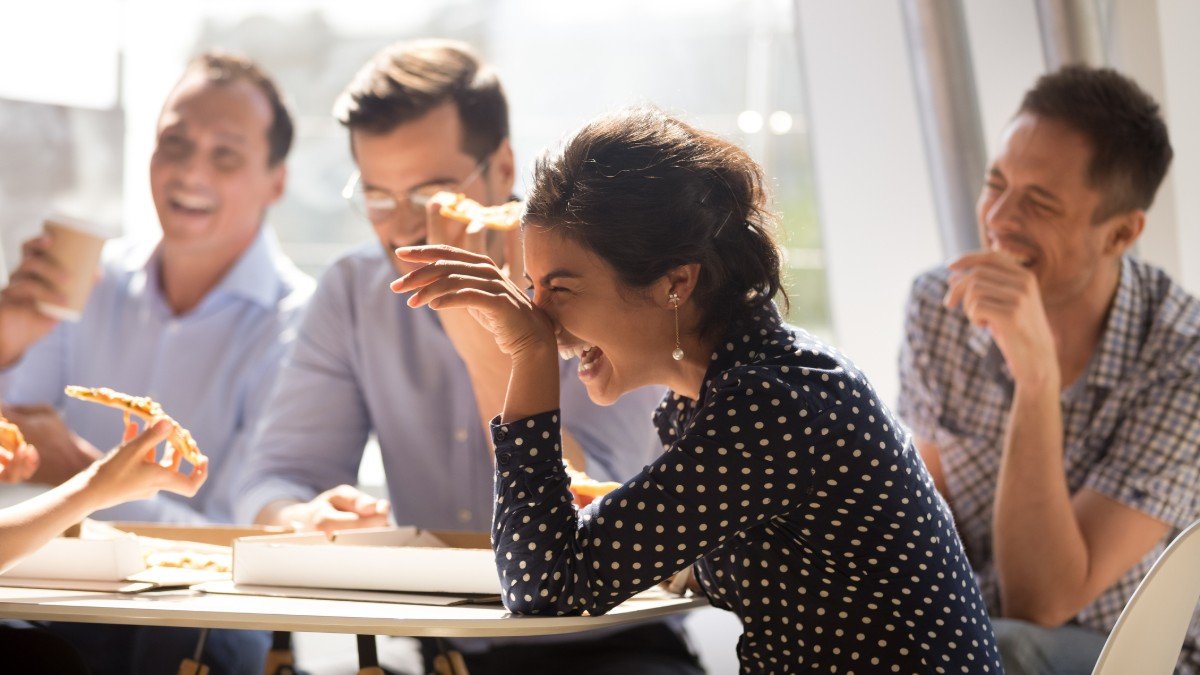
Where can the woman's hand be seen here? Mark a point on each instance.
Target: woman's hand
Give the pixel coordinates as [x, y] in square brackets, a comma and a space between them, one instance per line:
[19, 466]
[130, 472]
[452, 278]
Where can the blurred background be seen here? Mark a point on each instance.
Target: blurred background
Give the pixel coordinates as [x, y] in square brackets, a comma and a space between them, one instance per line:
[872, 118]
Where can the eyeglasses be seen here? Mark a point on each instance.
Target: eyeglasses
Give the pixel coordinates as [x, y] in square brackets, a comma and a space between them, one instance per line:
[378, 205]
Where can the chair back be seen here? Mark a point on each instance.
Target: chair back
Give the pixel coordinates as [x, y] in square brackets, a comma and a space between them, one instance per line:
[1150, 631]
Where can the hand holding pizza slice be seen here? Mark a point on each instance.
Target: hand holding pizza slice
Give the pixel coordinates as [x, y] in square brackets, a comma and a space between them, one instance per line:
[180, 440]
[18, 460]
[505, 217]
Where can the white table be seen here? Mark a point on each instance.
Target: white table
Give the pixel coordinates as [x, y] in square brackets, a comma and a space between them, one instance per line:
[194, 609]
[209, 610]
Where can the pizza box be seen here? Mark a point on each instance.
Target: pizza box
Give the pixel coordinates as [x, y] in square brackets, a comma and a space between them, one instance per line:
[95, 554]
[216, 535]
[113, 556]
[406, 559]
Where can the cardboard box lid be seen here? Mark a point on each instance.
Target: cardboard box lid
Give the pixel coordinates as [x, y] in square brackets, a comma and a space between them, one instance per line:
[406, 559]
[81, 559]
[96, 551]
[216, 535]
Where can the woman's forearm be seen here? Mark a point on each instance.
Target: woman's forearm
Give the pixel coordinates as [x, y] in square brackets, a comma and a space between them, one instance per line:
[27, 526]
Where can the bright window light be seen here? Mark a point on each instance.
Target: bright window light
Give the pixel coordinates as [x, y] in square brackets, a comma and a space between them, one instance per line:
[750, 121]
[780, 122]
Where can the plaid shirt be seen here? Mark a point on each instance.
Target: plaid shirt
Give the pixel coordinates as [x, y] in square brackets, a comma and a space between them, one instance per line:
[1131, 422]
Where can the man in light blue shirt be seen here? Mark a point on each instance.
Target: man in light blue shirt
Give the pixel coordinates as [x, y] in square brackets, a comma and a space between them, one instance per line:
[200, 322]
[211, 368]
[425, 117]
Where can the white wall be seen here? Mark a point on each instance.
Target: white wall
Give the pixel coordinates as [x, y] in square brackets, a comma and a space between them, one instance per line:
[1007, 53]
[1179, 23]
[873, 190]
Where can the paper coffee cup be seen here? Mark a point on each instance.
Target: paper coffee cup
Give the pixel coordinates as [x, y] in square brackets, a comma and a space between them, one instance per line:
[76, 245]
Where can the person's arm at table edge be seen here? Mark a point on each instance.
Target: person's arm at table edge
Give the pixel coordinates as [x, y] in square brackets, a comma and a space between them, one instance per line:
[1056, 552]
[123, 474]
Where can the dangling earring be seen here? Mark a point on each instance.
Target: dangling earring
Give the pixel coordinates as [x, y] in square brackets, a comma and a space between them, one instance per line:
[678, 353]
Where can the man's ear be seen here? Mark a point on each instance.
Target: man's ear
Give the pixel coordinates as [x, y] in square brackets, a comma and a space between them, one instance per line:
[1125, 232]
[681, 280]
[278, 181]
[502, 171]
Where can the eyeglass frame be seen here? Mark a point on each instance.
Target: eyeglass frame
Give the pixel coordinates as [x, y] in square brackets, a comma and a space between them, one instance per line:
[418, 201]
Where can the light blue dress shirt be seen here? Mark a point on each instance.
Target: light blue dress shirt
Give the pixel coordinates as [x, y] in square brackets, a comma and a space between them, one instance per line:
[211, 368]
[364, 362]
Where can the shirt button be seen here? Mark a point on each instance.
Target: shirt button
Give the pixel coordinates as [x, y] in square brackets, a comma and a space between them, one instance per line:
[464, 516]
[173, 327]
[460, 435]
[502, 433]
[504, 458]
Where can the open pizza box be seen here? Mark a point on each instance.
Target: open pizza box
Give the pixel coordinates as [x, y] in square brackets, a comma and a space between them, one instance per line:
[130, 557]
[395, 559]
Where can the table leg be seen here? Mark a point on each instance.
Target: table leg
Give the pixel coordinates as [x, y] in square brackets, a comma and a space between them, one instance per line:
[280, 660]
[449, 661]
[368, 657]
[193, 666]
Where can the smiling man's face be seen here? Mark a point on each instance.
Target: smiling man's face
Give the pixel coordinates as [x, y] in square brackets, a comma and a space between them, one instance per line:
[427, 151]
[210, 174]
[1038, 206]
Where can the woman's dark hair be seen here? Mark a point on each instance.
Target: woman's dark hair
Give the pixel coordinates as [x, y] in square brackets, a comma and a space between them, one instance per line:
[649, 193]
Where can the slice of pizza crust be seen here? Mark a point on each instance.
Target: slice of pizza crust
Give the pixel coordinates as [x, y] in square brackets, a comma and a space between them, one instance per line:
[11, 439]
[466, 210]
[147, 409]
[585, 488]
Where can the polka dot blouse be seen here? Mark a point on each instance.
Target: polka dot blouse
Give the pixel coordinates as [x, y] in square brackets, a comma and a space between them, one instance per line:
[800, 500]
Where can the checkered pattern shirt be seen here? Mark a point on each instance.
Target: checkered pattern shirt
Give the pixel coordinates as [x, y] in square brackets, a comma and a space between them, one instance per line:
[1131, 422]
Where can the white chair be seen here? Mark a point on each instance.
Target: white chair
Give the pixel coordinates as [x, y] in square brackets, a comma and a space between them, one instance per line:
[1149, 634]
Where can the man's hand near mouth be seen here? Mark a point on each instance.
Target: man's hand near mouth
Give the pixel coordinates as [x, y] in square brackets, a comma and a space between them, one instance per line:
[998, 292]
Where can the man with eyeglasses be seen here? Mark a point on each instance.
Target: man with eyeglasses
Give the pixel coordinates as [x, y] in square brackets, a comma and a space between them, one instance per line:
[424, 117]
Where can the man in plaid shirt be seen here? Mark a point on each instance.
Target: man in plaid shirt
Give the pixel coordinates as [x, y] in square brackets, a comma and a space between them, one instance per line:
[1052, 382]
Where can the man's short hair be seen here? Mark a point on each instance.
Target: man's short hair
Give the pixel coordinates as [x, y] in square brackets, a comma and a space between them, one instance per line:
[406, 80]
[1130, 147]
[224, 68]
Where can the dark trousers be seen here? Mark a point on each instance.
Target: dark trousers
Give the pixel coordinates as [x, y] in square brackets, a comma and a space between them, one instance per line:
[31, 650]
[151, 650]
[653, 649]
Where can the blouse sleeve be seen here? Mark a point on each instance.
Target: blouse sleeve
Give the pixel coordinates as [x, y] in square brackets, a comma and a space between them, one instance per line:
[738, 463]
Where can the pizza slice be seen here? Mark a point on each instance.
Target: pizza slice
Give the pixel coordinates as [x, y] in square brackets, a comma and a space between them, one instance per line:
[148, 410]
[11, 439]
[466, 210]
[585, 488]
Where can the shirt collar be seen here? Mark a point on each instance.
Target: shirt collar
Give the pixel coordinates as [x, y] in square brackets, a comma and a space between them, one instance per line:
[979, 339]
[740, 344]
[253, 277]
[1118, 342]
[735, 349]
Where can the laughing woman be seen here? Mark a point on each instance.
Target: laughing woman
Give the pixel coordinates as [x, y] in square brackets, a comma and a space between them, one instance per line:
[788, 485]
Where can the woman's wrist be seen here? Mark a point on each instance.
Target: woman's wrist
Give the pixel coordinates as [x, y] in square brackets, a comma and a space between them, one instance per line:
[83, 493]
[533, 383]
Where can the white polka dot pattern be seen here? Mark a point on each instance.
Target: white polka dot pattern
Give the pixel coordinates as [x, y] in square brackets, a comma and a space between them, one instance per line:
[801, 501]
